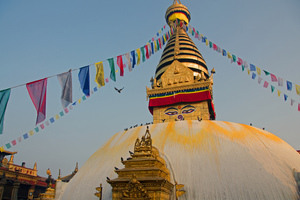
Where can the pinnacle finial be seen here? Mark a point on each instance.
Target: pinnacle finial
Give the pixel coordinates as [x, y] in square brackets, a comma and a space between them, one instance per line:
[176, 1]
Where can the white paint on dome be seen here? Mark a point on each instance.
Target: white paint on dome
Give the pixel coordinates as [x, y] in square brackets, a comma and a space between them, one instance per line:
[213, 159]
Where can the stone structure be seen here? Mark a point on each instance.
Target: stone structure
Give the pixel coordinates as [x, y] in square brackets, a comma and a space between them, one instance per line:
[19, 181]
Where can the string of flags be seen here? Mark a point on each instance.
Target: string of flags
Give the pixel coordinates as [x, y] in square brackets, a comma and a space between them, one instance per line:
[253, 71]
[38, 89]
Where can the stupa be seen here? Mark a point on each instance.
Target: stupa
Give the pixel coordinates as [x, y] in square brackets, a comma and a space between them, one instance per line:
[186, 153]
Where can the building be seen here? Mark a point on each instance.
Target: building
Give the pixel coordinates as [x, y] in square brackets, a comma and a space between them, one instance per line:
[186, 153]
[19, 181]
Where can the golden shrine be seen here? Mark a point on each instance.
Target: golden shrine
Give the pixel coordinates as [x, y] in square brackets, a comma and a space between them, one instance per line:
[145, 175]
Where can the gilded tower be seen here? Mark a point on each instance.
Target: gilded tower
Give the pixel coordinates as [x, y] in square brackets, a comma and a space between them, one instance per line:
[182, 87]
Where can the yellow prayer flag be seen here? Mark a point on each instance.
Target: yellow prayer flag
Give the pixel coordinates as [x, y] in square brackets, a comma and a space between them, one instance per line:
[56, 117]
[99, 79]
[117, 71]
[229, 55]
[155, 47]
[31, 133]
[258, 70]
[138, 52]
[79, 101]
[248, 70]
[278, 92]
[206, 42]
[165, 37]
[297, 89]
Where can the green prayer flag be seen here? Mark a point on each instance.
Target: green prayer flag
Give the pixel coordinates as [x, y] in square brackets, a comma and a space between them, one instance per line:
[210, 44]
[272, 88]
[267, 73]
[112, 69]
[143, 54]
[83, 98]
[4, 97]
[36, 129]
[243, 67]
[8, 145]
[61, 113]
[233, 58]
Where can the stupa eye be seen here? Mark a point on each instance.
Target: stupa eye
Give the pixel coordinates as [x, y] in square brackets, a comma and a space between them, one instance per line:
[171, 111]
[188, 109]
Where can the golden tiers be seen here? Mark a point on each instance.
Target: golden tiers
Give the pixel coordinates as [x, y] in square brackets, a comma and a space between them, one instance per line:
[180, 47]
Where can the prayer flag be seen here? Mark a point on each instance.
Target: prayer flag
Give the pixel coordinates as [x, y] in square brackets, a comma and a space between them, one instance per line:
[298, 106]
[52, 120]
[14, 142]
[267, 73]
[133, 58]
[106, 80]
[143, 54]
[206, 42]
[159, 41]
[138, 53]
[239, 61]
[61, 113]
[292, 102]
[289, 85]
[280, 81]
[248, 71]
[155, 46]
[233, 58]
[127, 56]
[273, 77]
[210, 44]
[253, 75]
[84, 79]
[243, 67]
[229, 55]
[297, 89]
[163, 39]
[278, 92]
[4, 97]
[25, 136]
[1, 148]
[65, 81]
[112, 69]
[19, 139]
[266, 84]
[152, 47]
[47, 122]
[259, 80]
[31, 132]
[147, 51]
[272, 88]
[8, 146]
[66, 110]
[99, 79]
[42, 126]
[120, 64]
[37, 91]
[36, 129]
[285, 97]
[215, 47]
[258, 70]
[252, 67]
[224, 52]
[204, 39]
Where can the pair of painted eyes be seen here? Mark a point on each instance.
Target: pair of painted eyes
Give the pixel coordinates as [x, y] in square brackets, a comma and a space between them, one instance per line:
[175, 112]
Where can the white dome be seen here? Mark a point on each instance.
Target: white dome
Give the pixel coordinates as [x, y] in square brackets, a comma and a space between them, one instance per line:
[213, 159]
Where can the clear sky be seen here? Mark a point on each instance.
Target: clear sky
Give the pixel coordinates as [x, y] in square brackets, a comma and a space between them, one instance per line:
[43, 38]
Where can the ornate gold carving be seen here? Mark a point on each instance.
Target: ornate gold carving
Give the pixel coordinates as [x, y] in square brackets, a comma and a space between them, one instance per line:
[134, 189]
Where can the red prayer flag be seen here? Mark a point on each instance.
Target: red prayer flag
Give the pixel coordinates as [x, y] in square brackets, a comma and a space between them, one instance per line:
[121, 65]
[273, 78]
[42, 126]
[266, 84]
[14, 142]
[37, 91]
[215, 47]
[159, 41]
[147, 52]
[298, 106]
[239, 61]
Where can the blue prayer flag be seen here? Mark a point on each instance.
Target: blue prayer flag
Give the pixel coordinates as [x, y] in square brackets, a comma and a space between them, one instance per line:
[133, 62]
[84, 79]
[152, 47]
[25, 136]
[252, 67]
[289, 85]
[224, 52]
[95, 89]
[253, 75]
[285, 97]
[52, 120]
